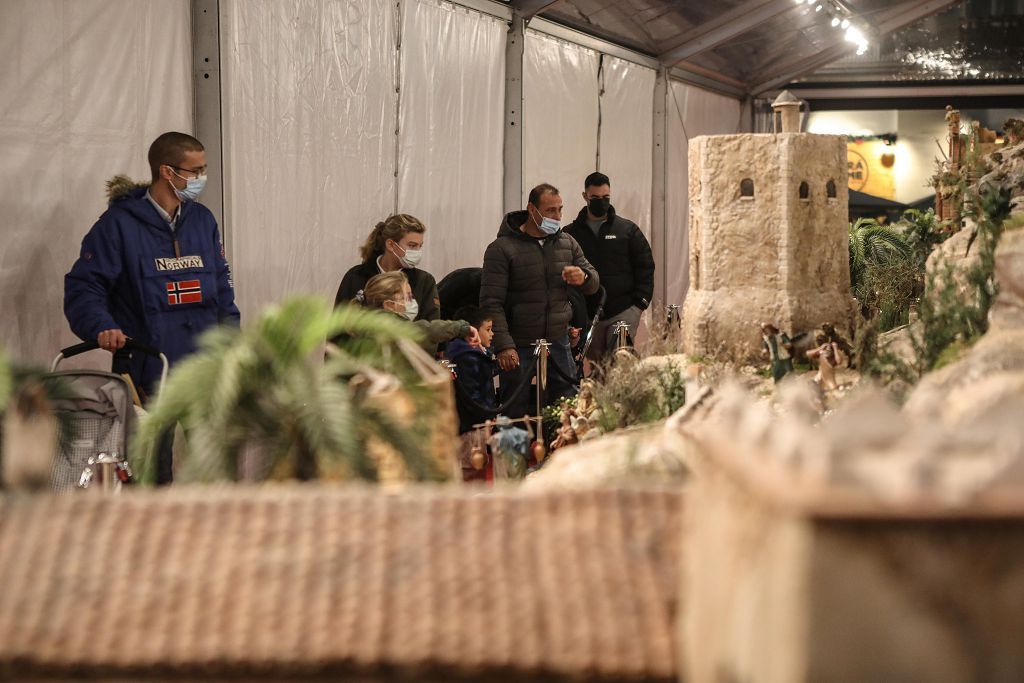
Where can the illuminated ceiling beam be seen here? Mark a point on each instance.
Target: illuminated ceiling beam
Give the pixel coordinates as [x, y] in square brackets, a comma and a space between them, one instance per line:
[899, 17]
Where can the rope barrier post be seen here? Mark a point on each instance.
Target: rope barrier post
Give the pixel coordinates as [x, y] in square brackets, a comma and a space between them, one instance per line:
[621, 330]
[673, 321]
[541, 352]
[673, 317]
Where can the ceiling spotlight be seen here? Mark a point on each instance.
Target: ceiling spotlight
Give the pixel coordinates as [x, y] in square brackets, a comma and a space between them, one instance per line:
[854, 35]
[835, 22]
[819, 8]
[845, 23]
[862, 48]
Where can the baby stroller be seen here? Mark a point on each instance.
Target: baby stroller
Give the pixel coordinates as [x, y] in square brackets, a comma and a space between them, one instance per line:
[96, 412]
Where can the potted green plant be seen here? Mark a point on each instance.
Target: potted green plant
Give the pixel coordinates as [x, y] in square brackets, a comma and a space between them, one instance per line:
[269, 386]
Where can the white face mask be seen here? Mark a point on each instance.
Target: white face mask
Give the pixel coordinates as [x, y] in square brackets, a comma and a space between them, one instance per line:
[412, 257]
[411, 310]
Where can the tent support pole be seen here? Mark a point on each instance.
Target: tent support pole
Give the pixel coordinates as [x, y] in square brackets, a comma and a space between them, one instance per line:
[512, 153]
[659, 206]
[206, 113]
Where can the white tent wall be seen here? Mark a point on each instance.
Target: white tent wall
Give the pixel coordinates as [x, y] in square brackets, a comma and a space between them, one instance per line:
[626, 140]
[625, 143]
[692, 111]
[319, 141]
[450, 146]
[560, 110]
[309, 107]
[87, 85]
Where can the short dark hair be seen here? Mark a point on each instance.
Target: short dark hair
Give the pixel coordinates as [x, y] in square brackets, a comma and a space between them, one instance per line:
[170, 149]
[473, 315]
[539, 191]
[596, 179]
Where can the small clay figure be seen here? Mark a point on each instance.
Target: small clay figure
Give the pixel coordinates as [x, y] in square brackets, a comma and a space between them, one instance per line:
[779, 349]
[585, 427]
[833, 336]
[585, 398]
[566, 435]
[828, 355]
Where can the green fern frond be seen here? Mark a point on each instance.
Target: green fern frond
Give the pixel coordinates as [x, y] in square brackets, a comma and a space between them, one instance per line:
[266, 384]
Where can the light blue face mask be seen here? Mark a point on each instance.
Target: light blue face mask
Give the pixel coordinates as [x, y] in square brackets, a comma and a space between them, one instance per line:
[193, 188]
[549, 226]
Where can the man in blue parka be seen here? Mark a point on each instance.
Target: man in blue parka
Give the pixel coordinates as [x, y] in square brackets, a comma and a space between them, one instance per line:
[153, 267]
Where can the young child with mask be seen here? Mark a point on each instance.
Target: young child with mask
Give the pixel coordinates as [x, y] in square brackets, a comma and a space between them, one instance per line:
[391, 292]
[475, 370]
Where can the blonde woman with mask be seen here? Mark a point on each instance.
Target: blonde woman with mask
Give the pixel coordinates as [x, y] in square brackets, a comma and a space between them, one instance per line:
[394, 245]
[391, 292]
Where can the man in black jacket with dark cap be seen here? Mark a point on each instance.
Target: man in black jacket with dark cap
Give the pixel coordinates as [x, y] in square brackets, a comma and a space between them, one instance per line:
[622, 256]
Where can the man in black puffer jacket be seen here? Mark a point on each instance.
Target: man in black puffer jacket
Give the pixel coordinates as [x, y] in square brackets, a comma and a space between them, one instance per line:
[621, 254]
[524, 288]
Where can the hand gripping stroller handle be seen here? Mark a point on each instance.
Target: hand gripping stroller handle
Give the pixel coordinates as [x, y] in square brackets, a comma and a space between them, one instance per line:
[129, 345]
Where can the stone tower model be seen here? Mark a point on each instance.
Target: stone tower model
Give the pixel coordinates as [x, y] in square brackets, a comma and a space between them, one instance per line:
[768, 238]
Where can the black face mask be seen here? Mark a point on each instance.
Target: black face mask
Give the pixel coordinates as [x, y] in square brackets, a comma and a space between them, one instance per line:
[598, 206]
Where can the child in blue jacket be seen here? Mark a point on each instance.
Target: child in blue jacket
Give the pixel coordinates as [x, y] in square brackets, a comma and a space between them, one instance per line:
[475, 369]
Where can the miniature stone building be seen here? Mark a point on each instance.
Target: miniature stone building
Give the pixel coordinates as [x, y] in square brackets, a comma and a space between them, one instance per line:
[768, 239]
[947, 192]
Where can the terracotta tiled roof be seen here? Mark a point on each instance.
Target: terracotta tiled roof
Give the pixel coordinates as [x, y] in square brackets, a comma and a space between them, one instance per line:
[304, 580]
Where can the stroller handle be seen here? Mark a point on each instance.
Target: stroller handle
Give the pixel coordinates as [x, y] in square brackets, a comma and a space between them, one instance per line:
[130, 345]
[602, 298]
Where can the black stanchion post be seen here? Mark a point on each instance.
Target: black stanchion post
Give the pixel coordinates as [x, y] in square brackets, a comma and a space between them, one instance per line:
[542, 349]
[673, 317]
[621, 331]
[673, 320]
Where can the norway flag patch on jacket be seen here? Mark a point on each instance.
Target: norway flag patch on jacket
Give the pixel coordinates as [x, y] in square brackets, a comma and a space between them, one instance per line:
[184, 292]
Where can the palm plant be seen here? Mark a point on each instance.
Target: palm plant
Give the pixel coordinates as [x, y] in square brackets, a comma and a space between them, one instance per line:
[883, 275]
[922, 232]
[873, 244]
[266, 386]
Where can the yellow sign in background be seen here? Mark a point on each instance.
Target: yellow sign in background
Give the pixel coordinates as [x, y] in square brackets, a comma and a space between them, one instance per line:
[871, 164]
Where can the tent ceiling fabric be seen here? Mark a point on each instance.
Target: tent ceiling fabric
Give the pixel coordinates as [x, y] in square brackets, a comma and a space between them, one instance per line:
[973, 41]
[756, 43]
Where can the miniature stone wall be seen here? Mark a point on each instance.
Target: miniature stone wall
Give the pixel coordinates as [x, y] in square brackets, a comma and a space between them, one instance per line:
[773, 256]
[872, 546]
